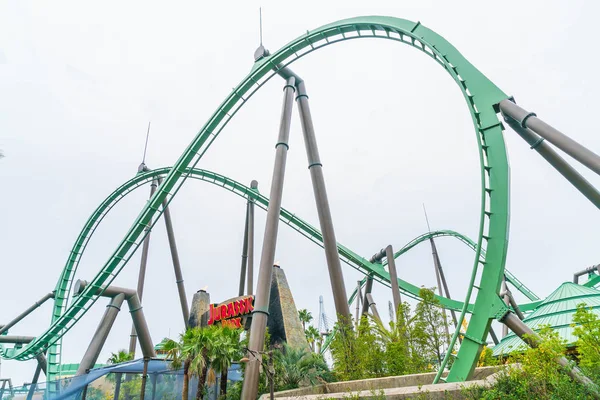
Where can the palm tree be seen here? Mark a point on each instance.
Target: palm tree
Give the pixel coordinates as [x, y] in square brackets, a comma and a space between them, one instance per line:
[200, 350]
[305, 317]
[312, 335]
[177, 355]
[295, 365]
[117, 358]
[226, 349]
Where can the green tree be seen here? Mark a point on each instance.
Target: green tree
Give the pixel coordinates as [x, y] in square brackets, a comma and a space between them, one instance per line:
[428, 327]
[587, 329]
[200, 349]
[312, 336]
[179, 358]
[305, 317]
[295, 366]
[226, 349]
[120, 356]
[357, 354]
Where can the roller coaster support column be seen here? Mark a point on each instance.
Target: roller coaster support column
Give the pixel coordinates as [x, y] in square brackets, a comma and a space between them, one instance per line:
[372, 306]
[439, 276]
[142, 274]
[358, 299]
[93, 351]
[244, 253]
[589, 270]
[135, 309]
[250, 273]
[185, 310]
[263, 289]
[368, 289]
[529, 120]
[507, 303]
[34, 381]
[533, 339]
[559, 163]
[42, 362]
[388, 252]
[26, 312]
[318, 181]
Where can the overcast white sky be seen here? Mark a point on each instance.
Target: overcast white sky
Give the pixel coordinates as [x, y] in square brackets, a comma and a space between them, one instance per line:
[79, 83]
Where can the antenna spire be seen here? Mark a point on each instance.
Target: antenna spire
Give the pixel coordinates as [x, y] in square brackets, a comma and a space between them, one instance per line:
[146, 145]
[260, 23]
[426, 219]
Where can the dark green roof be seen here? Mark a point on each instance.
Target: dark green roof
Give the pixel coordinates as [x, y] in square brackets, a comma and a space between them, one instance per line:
[557, 311]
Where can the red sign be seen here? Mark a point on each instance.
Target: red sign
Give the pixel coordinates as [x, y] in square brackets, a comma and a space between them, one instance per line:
[230, 314]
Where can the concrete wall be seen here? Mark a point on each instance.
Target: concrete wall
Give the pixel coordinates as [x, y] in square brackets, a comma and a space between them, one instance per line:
[393, 387]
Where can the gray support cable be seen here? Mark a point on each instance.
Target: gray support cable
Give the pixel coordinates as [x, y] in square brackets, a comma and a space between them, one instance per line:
[142, 273]
[560, 164]
[95, 347]
[323, 210]
[263, 289]
[533, 339]
[244, 253]
[529, 120]
[250, 284]
[25, 313]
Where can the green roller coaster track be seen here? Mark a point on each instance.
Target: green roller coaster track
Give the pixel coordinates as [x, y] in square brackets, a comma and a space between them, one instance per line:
[481, 97]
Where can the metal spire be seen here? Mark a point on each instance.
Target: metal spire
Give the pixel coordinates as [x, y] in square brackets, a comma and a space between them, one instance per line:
[260, 23]
[426, 219]
[146, 145]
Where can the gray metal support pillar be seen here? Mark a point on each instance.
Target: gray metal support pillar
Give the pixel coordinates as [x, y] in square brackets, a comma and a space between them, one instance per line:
[438, 264]
[373, 306]
[144, 379]
[494, 337]
[357, 299]
[368, 289]
[16, 339]
[250, 284]
[560, 164]
[325, 220]
[93, 351]
[389, 252]
[533, 339]
[263, 289]
[244, 253]
[438, 274]
[142, 273]
[154, 378]
[42, 362]
[529, 120]
[589, 270]
[185, 309]
[135, 309]
[507, 303]
[25, 313]
[34, 381]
